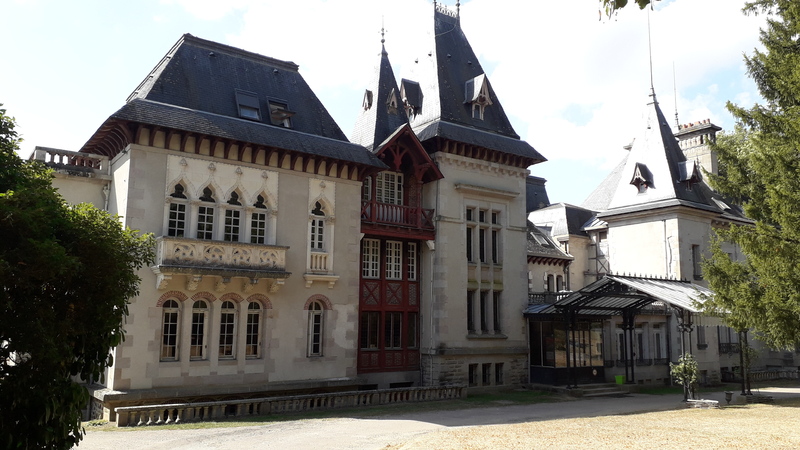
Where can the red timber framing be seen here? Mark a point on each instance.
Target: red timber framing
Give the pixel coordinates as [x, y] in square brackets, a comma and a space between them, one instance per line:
[395, 227]
[389, 305]
[115, 135]
[391, 203]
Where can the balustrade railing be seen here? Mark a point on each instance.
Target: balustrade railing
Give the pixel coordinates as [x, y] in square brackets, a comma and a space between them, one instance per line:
[729, 347]
[319, 262]
[535, 298]
[172, 251]
[84, 162]
[400, 215]
[205, 411]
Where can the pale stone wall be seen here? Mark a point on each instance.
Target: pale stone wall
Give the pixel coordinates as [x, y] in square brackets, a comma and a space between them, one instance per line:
[447, 349]
[142, 178]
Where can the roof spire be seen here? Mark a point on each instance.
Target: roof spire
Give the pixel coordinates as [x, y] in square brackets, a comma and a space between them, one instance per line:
[675, 89]
[650, 51]
[458, 9]
[383, 38]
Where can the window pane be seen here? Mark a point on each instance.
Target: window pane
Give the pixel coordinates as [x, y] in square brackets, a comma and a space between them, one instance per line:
[258, 228]
[369, 330]
[253, 331]
[412, 261]
[176, 225]
[231, 225]
[205, 222]
[394, 261]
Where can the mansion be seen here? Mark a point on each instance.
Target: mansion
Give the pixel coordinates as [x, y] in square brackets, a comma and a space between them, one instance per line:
[292, 259]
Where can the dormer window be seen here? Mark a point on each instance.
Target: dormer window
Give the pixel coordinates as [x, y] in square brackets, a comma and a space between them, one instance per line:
[247, 103]
[476, 94]
[689, 173]
[391, 102]
[642, 178]
[367, 103]
[411, 94]
[279, 113]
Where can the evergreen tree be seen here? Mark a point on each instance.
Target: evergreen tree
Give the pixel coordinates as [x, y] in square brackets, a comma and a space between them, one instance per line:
[66, 274]
[760, 169]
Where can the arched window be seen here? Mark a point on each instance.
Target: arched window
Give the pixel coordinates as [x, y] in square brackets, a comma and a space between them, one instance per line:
[205, 215]
[316, 316]
[317, 228]
[176, 224]
[227, 330]
[258, 222]
[253, 341]
[233, 218]
[197, 348]
[169, 331]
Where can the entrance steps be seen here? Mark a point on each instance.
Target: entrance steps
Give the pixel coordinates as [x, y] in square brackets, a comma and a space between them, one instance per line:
[602, 390]
[588, 390]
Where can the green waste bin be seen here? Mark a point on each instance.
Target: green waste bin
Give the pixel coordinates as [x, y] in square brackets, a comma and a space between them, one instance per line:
[620, 379]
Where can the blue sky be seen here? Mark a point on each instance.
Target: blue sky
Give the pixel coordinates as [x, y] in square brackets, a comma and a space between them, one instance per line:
[573, 85]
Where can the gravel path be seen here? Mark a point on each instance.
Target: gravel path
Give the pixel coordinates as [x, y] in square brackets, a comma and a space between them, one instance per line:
[569, 424]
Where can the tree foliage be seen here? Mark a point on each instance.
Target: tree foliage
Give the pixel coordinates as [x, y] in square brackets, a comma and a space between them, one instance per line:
[611, 6]
[760, 169]
[685, 373]
[66, 274]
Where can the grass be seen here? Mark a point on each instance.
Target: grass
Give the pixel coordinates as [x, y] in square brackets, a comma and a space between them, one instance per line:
[503, 398]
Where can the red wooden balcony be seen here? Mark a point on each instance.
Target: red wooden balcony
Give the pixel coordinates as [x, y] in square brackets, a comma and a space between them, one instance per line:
[397, 215]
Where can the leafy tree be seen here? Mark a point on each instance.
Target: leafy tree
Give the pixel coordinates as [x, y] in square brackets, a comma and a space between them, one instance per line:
[685, 373]
[66, 274]
[760, 169]
[611, 6]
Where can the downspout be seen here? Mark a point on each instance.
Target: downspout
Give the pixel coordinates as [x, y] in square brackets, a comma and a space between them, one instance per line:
[430, 303]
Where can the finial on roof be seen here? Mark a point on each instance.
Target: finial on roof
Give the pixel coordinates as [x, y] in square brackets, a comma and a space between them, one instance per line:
[383, 38]
[458, 9]
[650, 51]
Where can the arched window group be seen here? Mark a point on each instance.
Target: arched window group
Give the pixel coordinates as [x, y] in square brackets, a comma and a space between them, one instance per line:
[216, 217]
[229, 318]
[202, 318]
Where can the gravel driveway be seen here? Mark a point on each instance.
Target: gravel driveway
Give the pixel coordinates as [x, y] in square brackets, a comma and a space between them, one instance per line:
[386, 431]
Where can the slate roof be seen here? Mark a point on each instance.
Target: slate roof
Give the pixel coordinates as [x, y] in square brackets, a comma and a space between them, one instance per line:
[203, 75]
[535, 193]
[184, 119]
[375, 123]
[194, 89]
[656, 152]
[562, 219]
[445, 112]
[540, 244]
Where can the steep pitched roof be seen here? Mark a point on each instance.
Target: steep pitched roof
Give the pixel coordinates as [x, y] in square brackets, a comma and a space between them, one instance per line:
[204, 76]
[655, 174]
[379, 118]
[452, 80]
[203, 123]
[197, 88]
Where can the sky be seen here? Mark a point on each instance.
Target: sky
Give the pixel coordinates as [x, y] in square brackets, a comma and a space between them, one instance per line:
[574, 83]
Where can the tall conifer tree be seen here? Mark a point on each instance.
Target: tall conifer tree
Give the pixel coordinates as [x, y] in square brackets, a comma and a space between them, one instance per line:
[760, 169]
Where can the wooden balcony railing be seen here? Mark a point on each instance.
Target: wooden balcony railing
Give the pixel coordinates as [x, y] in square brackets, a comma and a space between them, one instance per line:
[397, 215]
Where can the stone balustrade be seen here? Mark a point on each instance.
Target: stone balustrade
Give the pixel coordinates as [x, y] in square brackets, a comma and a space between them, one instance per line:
[72, 161]
[183, 252]
[217, 410]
